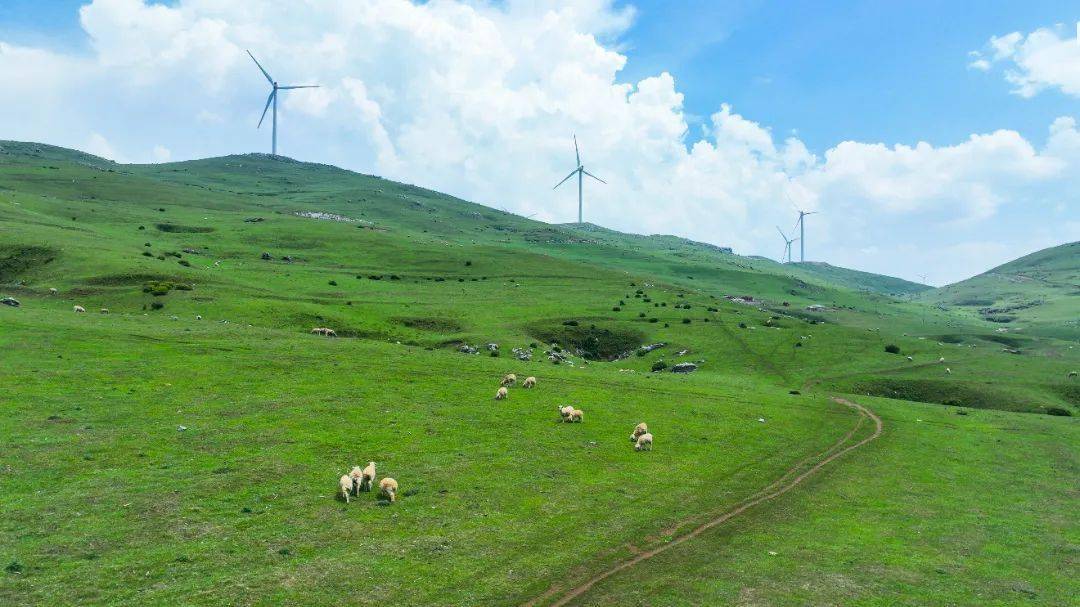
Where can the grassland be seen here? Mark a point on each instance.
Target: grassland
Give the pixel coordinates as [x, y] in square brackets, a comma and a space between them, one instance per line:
[156, 457]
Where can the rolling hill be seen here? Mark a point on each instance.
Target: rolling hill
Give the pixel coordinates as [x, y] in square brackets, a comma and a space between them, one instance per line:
[1035, 294]
[180, 442]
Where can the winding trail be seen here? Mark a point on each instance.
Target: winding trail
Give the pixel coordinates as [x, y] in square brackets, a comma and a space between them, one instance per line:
[791, 479]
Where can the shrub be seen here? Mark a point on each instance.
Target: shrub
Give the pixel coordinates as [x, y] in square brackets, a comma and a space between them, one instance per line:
[156, 305]
[332, 283]
[494, 353]
[147, 254]
[654, 319]
[742, 325]
[641, 315]
[468, 263]
[892, 349]
[659, 365]
[570, 323]
[142, 227]
[146, 244]
[14, 567]
[1059, 411]
[185, 263]
[686, 321]
[161, 257]
[616, 309]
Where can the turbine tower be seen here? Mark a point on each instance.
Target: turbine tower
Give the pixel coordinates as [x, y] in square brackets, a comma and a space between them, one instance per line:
[272, 99]
[787, 245]
[801, 224]
[581, 172]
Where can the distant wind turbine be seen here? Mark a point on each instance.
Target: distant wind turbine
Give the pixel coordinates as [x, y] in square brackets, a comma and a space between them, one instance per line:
[272, 99]
[581, 172]
[801, 224]
[787, 246]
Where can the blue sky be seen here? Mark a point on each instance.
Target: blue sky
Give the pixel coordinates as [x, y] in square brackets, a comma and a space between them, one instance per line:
[934, 138]
[863, 70]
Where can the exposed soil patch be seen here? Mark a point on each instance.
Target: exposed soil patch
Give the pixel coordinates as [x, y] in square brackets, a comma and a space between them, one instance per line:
[436, 325]
[16, 260]
[591, 341]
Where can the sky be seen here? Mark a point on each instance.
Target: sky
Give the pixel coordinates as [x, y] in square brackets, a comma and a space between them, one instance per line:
[931, 141]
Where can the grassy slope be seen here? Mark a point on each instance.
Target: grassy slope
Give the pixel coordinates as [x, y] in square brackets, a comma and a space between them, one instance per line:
[1037, 294]
[501, 490]
[860, 281]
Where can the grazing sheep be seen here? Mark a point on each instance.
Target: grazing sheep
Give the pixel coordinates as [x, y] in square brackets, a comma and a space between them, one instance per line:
[346, 484]
[576, 415]
[564, 412]
[948, 370]
[640, 429]
[53, 291]
[644, 442]
[198, 317]
[324, 331]
[356, 474]
[941, 360]
[79, 309]
[104, 310]
[388, 489]
[529, 382]
[368, 476]
[501, 394]
[509, 379]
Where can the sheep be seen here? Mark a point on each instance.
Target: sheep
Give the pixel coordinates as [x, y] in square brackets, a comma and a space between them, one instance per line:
[941, 360]
[388, 489]
[948, 371]
[640, 429]
[79, 309]
[576, 415]
[509, 379]
[644, 442]
[324, 331]
[909, 358]
[501, 393]
[367, 476]
[529, 382]
[564, 412]
[104, 310]
[53, 291]
[346, 484]
[356, 474]
[198, 317]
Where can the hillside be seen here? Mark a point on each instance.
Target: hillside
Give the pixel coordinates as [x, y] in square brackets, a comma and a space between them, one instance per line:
[858, 280]
[185, 446]
[1035, 294]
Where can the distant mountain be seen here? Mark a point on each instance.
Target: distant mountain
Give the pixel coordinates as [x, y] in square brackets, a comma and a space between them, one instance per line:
[1038, 293]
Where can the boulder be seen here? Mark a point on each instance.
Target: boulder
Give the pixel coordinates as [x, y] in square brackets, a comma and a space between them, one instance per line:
[684, 368]
[266, 256]
[10, 301]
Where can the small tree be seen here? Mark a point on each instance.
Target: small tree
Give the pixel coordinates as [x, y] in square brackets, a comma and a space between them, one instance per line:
[892, 349]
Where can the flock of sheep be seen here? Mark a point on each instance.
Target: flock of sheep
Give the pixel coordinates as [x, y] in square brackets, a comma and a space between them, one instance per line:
[360, 479]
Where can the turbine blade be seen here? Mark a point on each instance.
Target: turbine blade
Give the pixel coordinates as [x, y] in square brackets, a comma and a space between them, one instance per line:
[268, 78]
[572, 173]
[269, 100]
[305, 86]
[782, 234]
[577, 154]
[593, 176]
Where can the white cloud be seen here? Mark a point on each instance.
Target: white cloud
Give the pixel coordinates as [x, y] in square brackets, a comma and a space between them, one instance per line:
[1045, 58]
[480, 100]
[161, 154]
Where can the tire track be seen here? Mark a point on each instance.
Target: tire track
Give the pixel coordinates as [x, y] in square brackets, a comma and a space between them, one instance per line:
[790, 479]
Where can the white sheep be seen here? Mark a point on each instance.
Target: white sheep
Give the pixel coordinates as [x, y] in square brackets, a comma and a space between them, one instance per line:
[388, 488]
[576, 415]
[79, 309]
[640, 429]
[367, 476]
[509, 379]
[644, 442]
[501, 393]
[948, 371]
[909, 358]
[565, 411]
[104, 310]
[941, 360]
[529, 382]
[198, 317]
[356, 474]
[53, 291]
[346, 484]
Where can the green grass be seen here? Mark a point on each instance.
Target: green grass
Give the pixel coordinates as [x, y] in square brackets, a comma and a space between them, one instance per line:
[103, 500]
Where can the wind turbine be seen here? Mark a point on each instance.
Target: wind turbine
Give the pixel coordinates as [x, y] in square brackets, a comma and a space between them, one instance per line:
[272, 99]
[581, 172]
[801, 224]
[787, 245]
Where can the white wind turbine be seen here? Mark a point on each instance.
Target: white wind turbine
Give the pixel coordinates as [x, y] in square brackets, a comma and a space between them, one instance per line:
[272, 99]
[581, 172]
[787, 246]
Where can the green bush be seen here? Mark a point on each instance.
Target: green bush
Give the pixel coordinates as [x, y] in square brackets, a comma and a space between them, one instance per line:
[892, 349]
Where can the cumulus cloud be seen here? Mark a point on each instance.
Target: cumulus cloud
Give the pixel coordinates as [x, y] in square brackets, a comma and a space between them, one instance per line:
[481, 99]
[1047, 58]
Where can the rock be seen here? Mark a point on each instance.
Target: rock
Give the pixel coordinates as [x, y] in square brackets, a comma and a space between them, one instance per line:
[493, 347]
[651, 347]
[10, 301]
[253, 220]
[181, 428]
[266, 256]
[467, 349]
[684, 368]
[287, 258]
[191, 251]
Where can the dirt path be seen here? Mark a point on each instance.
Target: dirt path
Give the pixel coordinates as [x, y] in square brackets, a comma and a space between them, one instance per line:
[791, 479]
